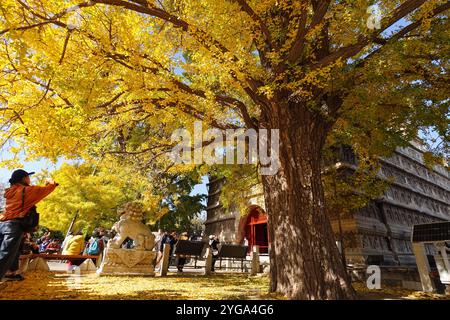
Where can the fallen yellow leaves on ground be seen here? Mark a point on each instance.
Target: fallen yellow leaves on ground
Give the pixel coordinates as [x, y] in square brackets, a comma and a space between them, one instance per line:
[395, 293]
[53, 286]
[235, 286]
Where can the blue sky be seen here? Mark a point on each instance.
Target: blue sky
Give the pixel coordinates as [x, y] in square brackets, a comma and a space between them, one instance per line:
[201, 188]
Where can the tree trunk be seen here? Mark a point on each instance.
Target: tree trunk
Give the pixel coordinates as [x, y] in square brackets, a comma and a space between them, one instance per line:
[305, 261]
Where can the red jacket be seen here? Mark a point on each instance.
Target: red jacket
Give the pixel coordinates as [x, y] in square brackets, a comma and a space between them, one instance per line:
[13, 195]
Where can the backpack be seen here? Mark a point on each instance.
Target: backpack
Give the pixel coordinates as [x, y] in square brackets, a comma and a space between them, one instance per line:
[94, 248]
[30, 221]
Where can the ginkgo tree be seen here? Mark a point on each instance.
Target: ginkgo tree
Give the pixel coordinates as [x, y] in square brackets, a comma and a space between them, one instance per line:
[88, 78]
[94, 193]
[91, 193]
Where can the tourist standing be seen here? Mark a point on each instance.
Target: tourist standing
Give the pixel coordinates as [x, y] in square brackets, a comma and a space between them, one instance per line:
[173, 238]
[181, 257]
[169, 239]
[214, 245]
[21, 199]
[163, 239]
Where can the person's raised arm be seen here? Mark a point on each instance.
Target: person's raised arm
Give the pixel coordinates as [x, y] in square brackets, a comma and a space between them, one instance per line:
[38, 193]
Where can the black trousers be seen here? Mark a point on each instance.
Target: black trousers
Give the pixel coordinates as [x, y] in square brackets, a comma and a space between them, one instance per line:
[181, 262]
[214, 259]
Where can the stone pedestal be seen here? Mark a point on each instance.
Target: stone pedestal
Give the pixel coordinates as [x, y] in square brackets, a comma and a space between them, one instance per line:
[88, 266]
[128, 262]
[140, 259]
[208, 262]
[165, 261]
[38, 264]
[255, 260]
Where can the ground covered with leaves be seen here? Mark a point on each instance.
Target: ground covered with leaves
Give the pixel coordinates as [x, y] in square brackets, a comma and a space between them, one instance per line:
[54, 286]
[51, 285]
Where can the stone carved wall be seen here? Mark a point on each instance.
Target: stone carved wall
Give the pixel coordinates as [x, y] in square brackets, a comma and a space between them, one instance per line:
[370, 211]
[417, 201]
[418, 195]
[416, 183]
[418, 156]
[402, 246]
[413, 167]
[406, 217]
[375, 242]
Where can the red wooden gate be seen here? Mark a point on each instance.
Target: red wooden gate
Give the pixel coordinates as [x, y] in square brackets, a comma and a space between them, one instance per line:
[256, 230]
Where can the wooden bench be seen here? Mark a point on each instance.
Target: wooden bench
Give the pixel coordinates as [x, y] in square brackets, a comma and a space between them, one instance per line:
[232, 252]
[190, 249]
[62, 256]
[226, 252]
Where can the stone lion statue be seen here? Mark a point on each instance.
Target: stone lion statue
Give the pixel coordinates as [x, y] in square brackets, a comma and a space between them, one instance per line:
[131, 226]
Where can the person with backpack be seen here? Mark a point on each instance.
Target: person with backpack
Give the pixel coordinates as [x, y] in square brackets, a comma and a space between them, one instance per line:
[19, 216]
[95, 245]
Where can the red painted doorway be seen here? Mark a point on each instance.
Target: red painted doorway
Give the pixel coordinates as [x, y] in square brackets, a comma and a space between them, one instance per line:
[255, 230]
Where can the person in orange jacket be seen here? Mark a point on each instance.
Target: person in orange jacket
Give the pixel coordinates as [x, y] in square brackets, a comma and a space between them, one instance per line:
[18, 204]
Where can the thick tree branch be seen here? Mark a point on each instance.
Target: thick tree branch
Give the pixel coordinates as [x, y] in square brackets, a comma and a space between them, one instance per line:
[245, 7]
[161, 103]
[227, 100]
[320, 9]
[242, 108]
[54, 19]
[25, 27]
[114, 99]
[299, 43]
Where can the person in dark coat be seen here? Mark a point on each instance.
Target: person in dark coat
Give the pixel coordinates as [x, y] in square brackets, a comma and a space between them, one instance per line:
[214, 245]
